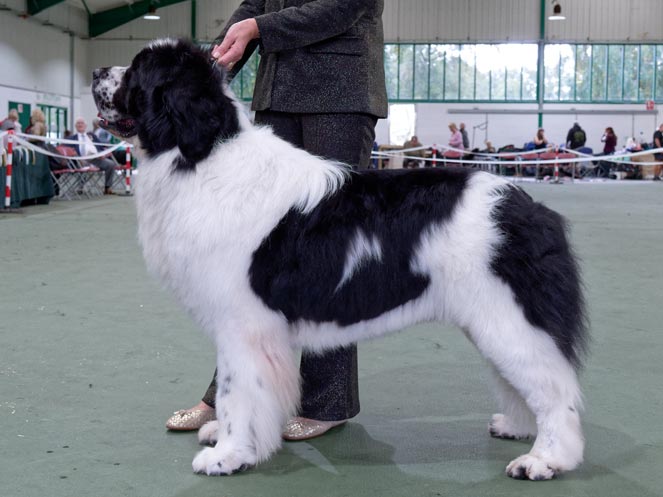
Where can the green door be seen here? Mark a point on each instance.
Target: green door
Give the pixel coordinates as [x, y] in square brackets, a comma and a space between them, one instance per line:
[23, 113]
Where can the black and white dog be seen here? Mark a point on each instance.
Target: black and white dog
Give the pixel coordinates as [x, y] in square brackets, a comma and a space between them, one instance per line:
[270, 248]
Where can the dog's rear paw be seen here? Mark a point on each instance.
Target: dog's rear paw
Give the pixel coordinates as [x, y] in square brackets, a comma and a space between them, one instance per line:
[214, 461]
[208, 434]
[528, 467]
[500, 426]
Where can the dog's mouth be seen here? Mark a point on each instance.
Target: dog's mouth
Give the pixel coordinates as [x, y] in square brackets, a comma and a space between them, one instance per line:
[126, 128]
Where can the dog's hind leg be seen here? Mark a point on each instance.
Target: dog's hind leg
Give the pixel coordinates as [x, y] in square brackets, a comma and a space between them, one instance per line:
[257, 390]
[531, 362]
[516, 421]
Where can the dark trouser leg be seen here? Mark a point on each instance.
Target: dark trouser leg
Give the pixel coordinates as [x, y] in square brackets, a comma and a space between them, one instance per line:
[210, 394]
[330, 386]
[108, 167]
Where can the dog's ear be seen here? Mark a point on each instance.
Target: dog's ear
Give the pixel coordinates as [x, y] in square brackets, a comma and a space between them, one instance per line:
[200, 113]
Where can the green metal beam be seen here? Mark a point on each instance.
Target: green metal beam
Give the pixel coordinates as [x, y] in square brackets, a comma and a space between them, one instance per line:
[193, 20]
[540, 65]
[104, 21]
[36, 6]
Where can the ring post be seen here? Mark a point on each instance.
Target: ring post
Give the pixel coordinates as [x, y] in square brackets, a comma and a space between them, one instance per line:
[127, 173]
[8, 182]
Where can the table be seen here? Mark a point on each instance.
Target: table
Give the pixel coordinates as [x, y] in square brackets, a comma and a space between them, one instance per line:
[31, 179]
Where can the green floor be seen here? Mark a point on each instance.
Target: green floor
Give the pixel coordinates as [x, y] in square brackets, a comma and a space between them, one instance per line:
[94, 357]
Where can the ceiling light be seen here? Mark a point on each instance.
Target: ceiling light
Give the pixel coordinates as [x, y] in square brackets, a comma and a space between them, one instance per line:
[557, 12]
[152, 14]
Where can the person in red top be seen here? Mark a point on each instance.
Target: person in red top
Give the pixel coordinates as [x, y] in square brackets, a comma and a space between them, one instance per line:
[610, 141]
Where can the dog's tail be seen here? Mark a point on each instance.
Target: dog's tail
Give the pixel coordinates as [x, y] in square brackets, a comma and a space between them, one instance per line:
[538, 263]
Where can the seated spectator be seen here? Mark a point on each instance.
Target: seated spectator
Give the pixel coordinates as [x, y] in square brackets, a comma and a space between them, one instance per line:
[456, 140]
[409, 161]
[576, 137]
[632, 145]
[629, 170]
[37, 125]
[86, 146]
[11, 122]
[540, 140]
[489, 148]
[375, 160]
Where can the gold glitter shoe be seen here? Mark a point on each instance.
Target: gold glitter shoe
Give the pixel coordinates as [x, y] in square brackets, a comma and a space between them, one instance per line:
[190, 419]
[303, 428]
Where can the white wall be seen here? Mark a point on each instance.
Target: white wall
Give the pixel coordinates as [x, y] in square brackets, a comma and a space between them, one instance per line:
[500, 20]
[455, 20]
[36, 65]
[608, 20]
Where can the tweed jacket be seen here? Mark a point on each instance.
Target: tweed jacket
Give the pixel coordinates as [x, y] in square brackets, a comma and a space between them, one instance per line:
[317, 56]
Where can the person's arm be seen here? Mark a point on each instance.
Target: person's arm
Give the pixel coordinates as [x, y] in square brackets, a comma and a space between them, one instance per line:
[297, 27]
[287, 29]
[247, 11]
[657, 140]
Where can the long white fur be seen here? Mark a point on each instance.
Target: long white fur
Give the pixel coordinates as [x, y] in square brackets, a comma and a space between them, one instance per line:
[199, 231]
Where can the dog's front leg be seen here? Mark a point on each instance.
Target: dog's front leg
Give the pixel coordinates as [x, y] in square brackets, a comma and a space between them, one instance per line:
[257, 391]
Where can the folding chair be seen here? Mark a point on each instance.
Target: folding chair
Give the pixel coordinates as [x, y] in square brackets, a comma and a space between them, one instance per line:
[119, 176]
[74, 180]
[546, 156]
[507, 162]
[565, 156]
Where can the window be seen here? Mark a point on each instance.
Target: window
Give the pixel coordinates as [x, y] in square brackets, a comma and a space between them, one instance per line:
[56, 120]
[507, 72]
[603, 73]
[402, 118]
[454, 72]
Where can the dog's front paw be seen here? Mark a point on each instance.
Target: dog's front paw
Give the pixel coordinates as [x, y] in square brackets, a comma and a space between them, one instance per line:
[208, 434]
[500, 426]
[215, 461]
[528, 467]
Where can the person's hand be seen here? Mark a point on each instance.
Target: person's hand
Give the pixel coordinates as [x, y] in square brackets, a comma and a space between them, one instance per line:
[234, 43]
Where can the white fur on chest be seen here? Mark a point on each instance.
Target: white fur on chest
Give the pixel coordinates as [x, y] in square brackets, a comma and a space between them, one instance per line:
[199, 229]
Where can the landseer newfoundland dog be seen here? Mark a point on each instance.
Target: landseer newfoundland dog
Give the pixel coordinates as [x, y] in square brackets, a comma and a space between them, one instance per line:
[270, 249]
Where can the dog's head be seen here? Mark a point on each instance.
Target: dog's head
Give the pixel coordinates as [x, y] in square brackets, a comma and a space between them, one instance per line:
[171, 96]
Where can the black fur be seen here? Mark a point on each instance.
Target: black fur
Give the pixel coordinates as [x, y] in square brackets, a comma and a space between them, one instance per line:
[175, 94]
[538, 264]
[297, 267]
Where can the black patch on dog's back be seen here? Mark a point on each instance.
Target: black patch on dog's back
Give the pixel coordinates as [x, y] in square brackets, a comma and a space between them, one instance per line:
[297, 268]
[537, 262]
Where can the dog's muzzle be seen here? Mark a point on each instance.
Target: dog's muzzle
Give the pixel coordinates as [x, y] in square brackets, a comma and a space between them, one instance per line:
[105, 82]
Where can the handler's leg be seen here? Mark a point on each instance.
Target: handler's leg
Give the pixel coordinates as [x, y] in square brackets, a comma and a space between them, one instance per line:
[330, 387]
